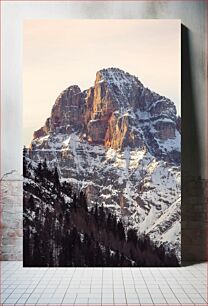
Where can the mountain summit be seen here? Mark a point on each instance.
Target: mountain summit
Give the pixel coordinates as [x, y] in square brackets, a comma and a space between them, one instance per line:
[117, 111]
[120, 143]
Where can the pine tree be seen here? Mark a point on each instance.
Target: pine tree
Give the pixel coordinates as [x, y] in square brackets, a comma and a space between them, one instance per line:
[39, 170]
[98, 255]
[121, 231]
[109, 222]
[114, 225]
[117, 259]
[83, 201]
[31, 203]
[37, 262]
[24, 162]
[56, 178]
[102, 217]
[74, 202]
[26, 245]
[107, 257]
[96, 213]
[24, 151]
[45, 171]
[132, 236]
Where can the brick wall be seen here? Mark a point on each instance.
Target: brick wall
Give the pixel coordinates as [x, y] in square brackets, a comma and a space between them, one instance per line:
[11, 220]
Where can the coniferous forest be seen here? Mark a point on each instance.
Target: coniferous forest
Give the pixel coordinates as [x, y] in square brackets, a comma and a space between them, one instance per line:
[62, 230]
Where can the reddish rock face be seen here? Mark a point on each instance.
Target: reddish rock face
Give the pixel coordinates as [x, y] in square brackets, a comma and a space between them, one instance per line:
[68, 110]
[117, 112]
[120, 134]
[96, 130]
[43, 131]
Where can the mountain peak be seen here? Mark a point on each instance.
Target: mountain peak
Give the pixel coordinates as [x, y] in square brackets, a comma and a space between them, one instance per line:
[120, 142]
[116, 76]
[117, 112]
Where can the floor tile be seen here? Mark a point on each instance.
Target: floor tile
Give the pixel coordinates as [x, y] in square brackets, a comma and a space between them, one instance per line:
[116, 286]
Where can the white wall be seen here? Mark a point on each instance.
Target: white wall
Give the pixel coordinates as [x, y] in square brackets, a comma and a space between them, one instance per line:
[194, 107]
[191, 13]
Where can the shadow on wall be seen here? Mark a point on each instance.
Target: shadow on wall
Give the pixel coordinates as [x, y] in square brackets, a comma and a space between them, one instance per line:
[193, 223]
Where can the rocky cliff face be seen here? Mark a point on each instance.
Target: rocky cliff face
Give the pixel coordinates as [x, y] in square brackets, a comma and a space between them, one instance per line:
[116, 112]
[120, 142]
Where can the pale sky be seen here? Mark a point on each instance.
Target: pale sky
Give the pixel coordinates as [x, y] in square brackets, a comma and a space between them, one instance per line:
[60, 53]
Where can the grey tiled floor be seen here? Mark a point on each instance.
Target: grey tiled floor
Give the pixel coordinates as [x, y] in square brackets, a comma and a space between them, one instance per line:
[103, 286]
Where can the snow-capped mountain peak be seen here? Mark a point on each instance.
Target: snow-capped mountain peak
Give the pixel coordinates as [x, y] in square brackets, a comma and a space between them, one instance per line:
[120, 142]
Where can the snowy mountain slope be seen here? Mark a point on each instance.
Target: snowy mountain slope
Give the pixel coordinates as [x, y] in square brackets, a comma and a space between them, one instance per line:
[61, 230]
[120, 143]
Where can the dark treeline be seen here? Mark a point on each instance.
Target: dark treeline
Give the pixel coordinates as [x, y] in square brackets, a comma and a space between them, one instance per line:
[61, 230]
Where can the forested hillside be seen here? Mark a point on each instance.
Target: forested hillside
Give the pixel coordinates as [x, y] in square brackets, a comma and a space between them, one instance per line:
[61, 230]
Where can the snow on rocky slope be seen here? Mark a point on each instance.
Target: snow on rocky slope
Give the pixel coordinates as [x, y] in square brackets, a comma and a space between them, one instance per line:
[120, 142]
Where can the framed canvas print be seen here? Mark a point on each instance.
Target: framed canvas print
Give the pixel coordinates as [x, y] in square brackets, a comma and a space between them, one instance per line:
[102, 134]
